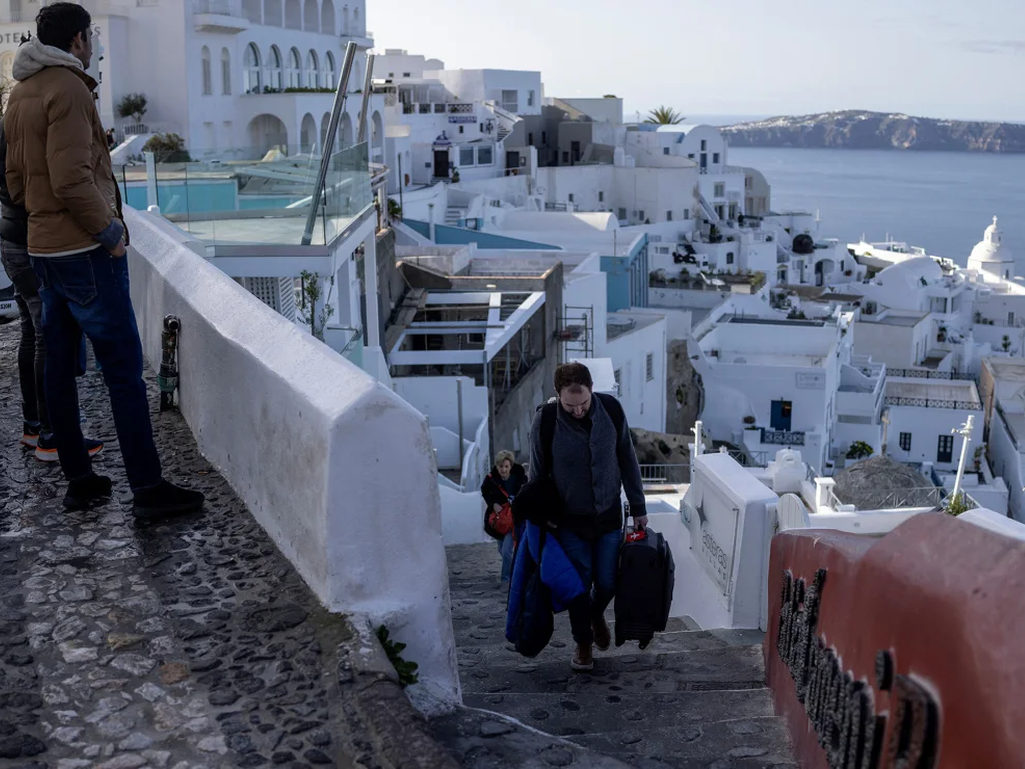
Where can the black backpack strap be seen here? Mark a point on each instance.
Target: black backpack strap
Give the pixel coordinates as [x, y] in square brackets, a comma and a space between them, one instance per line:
[615, 410]
[548, 416]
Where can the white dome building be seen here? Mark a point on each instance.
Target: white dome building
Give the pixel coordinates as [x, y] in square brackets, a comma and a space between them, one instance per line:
[990, 256]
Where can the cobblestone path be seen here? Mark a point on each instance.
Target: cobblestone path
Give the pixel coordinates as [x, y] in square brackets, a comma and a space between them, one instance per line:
[188, 645]
[691, 700]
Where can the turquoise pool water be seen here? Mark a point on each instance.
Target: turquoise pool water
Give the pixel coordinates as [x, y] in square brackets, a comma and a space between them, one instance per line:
[201, 197]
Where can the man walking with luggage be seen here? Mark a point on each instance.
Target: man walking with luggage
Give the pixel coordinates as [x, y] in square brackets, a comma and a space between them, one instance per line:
[592, 458]
[58, 168]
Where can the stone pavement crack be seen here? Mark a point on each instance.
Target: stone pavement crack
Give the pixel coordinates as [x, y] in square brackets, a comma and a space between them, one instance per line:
[191, 644]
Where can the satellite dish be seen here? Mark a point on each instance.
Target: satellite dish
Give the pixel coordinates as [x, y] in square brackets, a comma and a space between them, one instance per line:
[791, 513]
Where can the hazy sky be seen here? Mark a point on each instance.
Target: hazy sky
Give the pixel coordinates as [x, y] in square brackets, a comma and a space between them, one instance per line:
[937, 58]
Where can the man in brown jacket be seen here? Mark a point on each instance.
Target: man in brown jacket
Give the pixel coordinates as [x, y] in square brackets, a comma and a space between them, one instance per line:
[58, 168]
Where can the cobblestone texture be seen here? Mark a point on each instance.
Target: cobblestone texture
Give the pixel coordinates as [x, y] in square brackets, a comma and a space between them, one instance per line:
[191, 644]
[691, 700]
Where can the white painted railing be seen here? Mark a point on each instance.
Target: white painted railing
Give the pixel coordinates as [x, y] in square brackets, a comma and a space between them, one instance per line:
[336, 467]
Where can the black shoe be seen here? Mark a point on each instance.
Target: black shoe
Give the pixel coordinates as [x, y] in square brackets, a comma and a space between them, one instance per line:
[164, 500]
[83, 492]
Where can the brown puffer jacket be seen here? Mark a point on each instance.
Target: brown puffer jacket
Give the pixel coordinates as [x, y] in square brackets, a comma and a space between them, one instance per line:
[58, 165]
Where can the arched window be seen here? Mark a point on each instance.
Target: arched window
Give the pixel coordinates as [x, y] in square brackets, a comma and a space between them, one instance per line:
[272, 13]
[274, 79]
[293, 14]
[329, 70]
[225, 71]
[327, 18]
[253, 82]
[295, 69]
[311, 16]
[251, 9]
[208, 86]
[357, 25]
[311, 69]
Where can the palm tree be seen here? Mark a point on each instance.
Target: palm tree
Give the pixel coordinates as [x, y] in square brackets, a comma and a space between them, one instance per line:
[664, 116]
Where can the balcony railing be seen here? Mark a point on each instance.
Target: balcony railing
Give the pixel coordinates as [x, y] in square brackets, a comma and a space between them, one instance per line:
[220, 7]
[782, 437]
[932, 403]
[920, 373]
[665, 473]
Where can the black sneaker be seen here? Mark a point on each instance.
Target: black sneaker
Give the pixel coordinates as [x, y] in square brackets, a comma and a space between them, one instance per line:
[46, 447]
[165, 500]
[84, 492]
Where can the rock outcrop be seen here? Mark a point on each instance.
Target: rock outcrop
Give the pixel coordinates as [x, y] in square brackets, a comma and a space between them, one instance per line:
[859, 129]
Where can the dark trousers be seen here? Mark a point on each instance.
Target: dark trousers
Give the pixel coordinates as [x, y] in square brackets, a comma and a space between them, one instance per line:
[89, 293]
[596, 562]
[31, 346]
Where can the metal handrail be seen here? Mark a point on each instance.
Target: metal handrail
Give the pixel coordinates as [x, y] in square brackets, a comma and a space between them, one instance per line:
[329, 143]
[665, 472]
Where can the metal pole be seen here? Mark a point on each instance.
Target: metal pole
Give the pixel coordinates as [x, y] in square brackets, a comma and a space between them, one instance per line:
[966, 433]
[459, 411]
[402, 213]
[367, 85]
[329, 142]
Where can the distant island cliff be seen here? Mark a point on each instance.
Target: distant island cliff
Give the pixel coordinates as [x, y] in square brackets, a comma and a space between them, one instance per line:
[859, 129]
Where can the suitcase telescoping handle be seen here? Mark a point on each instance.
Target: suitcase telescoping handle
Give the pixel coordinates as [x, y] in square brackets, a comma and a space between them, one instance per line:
[635, 535]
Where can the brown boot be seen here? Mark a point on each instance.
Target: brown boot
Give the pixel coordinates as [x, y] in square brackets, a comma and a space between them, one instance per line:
[582, 658]
[602, 635]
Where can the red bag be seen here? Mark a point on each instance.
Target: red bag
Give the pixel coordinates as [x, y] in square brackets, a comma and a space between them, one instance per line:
[499, 524]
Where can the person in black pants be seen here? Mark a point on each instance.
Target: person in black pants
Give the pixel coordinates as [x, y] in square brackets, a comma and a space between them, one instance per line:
[36, 433]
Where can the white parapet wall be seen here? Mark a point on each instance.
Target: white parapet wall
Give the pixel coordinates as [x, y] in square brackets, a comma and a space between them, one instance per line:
[337, 468]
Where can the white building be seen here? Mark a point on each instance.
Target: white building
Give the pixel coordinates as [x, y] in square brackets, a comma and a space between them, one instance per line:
[928, 312]
[453, 125]
[768, 383]
[989, 256]
[1002, 381]
[232, 77]
[923, 414]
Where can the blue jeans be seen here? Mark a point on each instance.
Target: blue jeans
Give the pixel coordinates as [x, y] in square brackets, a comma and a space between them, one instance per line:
[88, 293]
[596, 561]
[507, 547]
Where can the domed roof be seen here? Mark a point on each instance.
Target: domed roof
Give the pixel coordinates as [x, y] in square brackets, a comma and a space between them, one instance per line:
[911, 273]
[871, 485]
[990, 248]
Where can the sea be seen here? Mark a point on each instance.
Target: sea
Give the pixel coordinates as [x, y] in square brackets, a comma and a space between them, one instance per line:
[941, 201]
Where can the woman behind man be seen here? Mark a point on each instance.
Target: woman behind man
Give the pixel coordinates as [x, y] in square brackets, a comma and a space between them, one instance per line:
[500, 487]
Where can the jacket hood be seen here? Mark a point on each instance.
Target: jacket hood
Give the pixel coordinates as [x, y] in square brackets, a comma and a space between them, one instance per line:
[33, 56]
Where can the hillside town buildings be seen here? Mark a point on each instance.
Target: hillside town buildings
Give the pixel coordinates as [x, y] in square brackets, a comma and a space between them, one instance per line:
[526, 229]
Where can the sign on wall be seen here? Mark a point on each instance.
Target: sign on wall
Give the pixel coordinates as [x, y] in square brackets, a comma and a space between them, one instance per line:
[840, 707]
[810, 380]
[714, 537]
[462, 118]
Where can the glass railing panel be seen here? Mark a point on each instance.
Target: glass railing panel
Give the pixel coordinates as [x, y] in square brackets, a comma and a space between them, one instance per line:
[247, 197]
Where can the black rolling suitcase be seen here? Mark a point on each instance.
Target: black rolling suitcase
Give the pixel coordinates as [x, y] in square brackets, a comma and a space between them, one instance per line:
[644, 587]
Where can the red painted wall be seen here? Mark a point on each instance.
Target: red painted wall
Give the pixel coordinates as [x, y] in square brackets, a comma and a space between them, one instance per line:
[946, 599]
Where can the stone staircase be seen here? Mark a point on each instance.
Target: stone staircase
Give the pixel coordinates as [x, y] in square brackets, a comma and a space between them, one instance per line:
[691, 699]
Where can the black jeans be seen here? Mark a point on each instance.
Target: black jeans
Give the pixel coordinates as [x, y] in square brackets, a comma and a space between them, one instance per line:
[31, 347]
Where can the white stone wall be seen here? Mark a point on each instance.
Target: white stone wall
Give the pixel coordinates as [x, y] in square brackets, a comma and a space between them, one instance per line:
[337, 468]
[644, 400]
